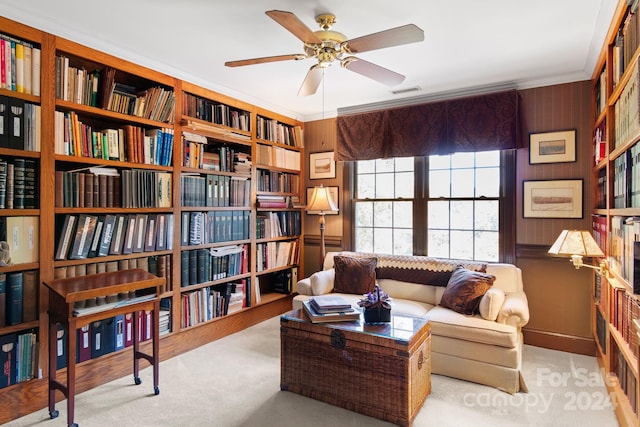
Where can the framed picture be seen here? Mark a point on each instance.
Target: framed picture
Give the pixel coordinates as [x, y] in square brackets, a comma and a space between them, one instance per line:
[322, 165]
[552, 147]
[552, 199]
[333, 192]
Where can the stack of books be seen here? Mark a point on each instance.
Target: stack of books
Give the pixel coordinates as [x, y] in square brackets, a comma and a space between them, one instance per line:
[330, 308]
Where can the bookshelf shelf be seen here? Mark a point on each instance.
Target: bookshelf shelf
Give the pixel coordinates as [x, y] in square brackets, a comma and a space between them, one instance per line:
[240, 130]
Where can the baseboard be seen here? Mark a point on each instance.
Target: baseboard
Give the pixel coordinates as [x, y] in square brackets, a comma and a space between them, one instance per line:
[561, 342]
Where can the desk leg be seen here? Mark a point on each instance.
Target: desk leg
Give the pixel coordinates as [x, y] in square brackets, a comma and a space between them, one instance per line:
[71, 371]
[156, 345]
[136, 347]
[53, 341]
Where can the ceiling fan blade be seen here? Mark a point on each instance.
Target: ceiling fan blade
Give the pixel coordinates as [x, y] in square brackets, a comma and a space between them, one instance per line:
[263, 60]
[405, 34]
[373, 71]
[295, 26]
[311, 81]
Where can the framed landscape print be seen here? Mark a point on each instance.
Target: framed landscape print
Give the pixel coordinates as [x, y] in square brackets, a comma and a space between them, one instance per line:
[552, 147]
[552, 199]
[322, 165]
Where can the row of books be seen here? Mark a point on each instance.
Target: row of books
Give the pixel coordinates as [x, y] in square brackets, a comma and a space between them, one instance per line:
[626, 178]
[18, 357]
[200, 228]
[278, 224]
[107, 187]
[624, 308]
[279, 182]
[624, 256]
[627, 110]
[207, 265]
[88, 236]
[98, 88]
[600, 142]
[275, 131]
[212, 190]
[128, 143]
[18, 179]
[18, 297]
[19, 65]
[20, 124]
[626, 42]
[160, 265]
[277, 254]
[211, 302]
[215, 112]
[197, 153]
[267, 155]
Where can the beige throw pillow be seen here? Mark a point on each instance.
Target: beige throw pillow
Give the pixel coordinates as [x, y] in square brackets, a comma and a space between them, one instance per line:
[491, 303]
[322, 281]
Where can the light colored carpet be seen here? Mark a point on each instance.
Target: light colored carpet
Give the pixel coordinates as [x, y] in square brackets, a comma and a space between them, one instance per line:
[235, 382]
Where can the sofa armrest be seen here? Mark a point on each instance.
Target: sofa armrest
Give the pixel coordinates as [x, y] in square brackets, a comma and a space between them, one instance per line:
[319, 283]
[515, 310]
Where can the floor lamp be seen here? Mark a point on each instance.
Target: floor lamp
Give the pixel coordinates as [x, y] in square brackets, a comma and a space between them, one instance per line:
[321, 203]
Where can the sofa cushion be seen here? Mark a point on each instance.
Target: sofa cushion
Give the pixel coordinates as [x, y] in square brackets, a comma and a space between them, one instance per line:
[354, 275]
[448, 323]
[322, 281]
[491, 303]
[465, 290]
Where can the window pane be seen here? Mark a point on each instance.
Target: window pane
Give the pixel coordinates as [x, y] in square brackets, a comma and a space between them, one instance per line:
[384, 165]
[404, 164]
[488, 182]
[403, 214]
[439, 162]
[402, 241]
[366, 166]
[438, 241]
[462, 215]
[486, 246]
[366, 186]
[383, 241]
[364, 239]
[439, 184]
[487, 158]
[404, 185]
[438, 216]
[462, 160]
[384, 186]
[462, 183]
[364, 214]
[382, 214]
[461, 244]
[486, 215]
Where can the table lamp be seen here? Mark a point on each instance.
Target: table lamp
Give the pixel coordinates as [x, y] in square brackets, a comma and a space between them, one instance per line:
[321, 203]
[577, 244]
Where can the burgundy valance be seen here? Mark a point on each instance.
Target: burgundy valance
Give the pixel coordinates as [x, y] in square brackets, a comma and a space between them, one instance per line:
[479, 123]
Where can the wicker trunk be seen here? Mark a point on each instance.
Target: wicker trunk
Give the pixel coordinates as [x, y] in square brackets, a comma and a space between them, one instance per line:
[383, 371]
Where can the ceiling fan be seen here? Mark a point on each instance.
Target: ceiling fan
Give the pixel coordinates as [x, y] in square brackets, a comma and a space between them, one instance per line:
[328, 46]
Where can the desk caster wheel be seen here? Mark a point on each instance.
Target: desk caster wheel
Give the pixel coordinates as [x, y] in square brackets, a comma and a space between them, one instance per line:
[156, 390]
[137, 380]
[54, 414]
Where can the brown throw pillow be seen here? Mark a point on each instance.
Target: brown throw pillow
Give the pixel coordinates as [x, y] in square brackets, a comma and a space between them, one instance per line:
[354, 275]
[465, 290]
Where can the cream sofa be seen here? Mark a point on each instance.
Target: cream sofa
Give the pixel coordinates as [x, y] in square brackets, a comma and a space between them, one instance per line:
[485, 348]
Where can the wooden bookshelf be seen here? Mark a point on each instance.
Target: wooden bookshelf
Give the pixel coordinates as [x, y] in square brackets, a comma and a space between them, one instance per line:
[61, 160]
[616, 132]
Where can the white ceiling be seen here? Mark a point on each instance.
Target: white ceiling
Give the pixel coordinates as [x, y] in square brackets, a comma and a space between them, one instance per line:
[470, 46]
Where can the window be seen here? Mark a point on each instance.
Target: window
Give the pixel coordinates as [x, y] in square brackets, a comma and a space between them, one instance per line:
[454, 201]
[384, 206]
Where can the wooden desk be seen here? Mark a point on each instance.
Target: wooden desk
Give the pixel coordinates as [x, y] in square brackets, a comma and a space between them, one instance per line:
[65, 292]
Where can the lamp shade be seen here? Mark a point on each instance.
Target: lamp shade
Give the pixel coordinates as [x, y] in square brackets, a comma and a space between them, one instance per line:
[321, 201]
[576, 242]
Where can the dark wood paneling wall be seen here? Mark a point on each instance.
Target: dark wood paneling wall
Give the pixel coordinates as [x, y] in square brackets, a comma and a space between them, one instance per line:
[559, 296]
